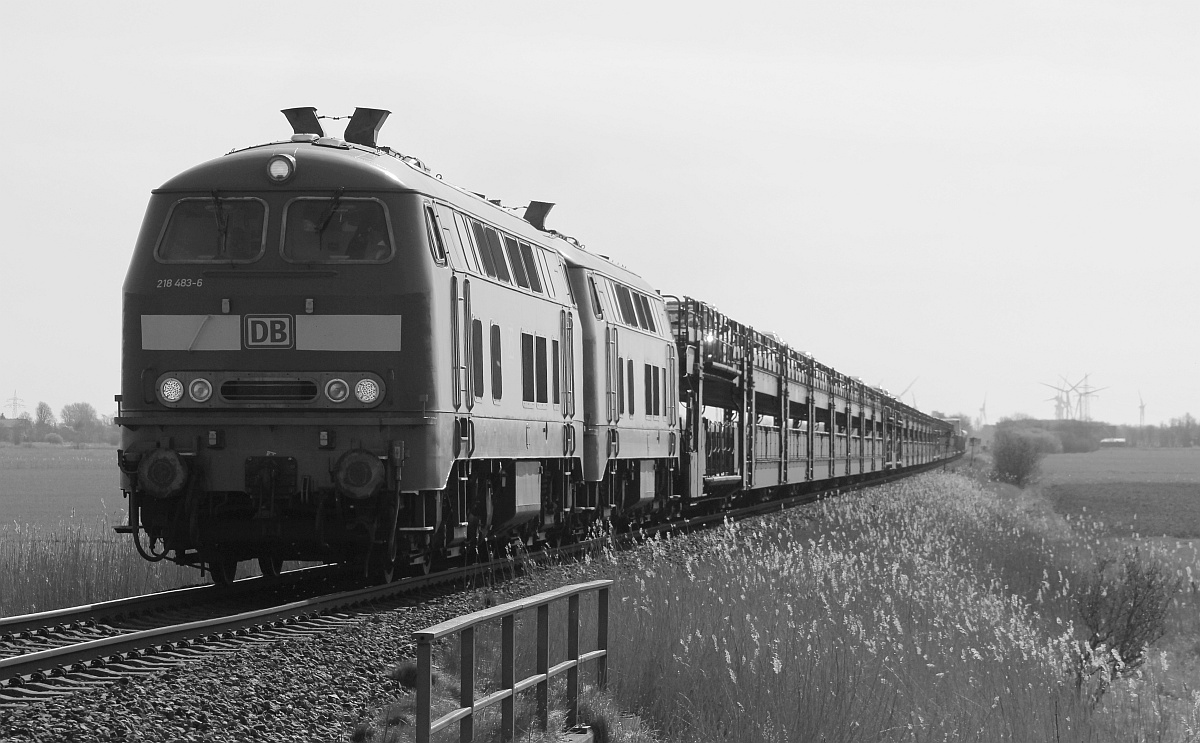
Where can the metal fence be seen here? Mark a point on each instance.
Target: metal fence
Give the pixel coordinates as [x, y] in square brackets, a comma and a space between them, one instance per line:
[509, 687]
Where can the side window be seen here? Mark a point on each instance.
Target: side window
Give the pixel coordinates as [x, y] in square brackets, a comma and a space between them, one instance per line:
[437, 244]
[639, 308]
[518, 264]
[648, 308]
[621, 384]
[477, 358]
[543, 394]
[649, 389]
[658, 374]
[464, 239]
[497, 250]
[544, 264]
[554, 366]
[596, 306]
[531, 267]
[626, 303]
[527, 368]
[631, 386]
[481, 245]
[497, 366]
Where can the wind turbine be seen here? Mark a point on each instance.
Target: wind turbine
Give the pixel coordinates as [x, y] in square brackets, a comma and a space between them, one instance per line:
[983, 412]
[906, 389]
[1084, 397]
[1141, 411]
[1062, 401]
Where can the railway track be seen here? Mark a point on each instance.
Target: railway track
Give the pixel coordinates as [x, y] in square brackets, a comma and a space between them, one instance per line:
[58, 652]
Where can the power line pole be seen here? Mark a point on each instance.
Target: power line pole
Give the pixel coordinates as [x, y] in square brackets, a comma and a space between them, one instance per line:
[15, 404]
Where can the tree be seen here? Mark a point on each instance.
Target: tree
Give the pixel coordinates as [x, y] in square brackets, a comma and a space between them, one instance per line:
[1125, 605]
[79, 416]
[44, 422]
[1016, 456]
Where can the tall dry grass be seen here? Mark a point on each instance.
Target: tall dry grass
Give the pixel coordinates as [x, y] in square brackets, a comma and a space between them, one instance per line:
[924, 610]
[76, 562]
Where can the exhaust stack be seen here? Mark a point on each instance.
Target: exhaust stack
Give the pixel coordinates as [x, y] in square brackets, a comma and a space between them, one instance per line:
[364, 126]
[304, 121]
[535, 213]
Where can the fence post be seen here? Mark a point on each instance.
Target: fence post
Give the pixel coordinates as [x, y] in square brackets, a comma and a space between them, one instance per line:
[466, 674]
[602, 637]
[508, 678]
[539, 683]
[573, 654]
[424, 661]
[543, 664]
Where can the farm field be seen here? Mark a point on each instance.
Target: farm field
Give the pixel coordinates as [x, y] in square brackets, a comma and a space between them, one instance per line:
[1150, 492]
[57, 546]
[42, 486]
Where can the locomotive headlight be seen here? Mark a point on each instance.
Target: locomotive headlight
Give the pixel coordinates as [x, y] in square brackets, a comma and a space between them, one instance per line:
[171, 389]
[337, 390]
[200, 390]
[367, 391]
[280, 168]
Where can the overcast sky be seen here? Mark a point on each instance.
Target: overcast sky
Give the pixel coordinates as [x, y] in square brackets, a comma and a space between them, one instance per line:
[980, 197]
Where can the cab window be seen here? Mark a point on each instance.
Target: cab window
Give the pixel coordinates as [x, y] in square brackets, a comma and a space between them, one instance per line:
[336, 230]
[214, 229]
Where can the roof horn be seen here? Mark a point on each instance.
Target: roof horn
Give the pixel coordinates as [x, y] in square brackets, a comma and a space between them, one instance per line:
[364, 126]
[535, 213]
[304, 121]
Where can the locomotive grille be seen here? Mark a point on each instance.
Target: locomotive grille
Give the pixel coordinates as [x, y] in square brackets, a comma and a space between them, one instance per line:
[269, 390]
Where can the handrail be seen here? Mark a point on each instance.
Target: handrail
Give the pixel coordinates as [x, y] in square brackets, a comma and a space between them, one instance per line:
[464, 626]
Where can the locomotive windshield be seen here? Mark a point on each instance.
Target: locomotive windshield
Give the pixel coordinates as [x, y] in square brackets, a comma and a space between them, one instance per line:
[214, 229]
[336, 230]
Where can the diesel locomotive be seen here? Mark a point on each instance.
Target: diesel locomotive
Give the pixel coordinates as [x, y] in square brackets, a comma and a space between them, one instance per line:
[332, 354]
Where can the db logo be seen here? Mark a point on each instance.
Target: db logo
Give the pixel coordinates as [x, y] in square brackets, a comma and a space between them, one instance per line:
[268, 331]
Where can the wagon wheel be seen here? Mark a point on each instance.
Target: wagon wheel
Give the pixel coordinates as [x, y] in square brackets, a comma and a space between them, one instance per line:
[271, 566]
[223, 569]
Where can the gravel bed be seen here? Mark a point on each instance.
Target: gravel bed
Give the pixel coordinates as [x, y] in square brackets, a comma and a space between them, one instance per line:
[303, 689]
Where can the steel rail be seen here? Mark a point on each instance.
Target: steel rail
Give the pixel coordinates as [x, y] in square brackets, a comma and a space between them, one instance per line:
[124, 607]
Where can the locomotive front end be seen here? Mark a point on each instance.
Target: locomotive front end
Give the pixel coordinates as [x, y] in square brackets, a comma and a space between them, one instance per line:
[278, 389]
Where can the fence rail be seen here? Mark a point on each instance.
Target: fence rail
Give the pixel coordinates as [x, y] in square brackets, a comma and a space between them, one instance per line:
[506, 696]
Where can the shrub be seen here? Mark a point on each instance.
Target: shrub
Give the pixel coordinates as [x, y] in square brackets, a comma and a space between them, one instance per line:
[1016, 457]
[1124, 606]
[54, 438]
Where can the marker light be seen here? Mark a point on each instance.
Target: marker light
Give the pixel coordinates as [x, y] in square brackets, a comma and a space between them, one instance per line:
[200, 390]
[171, 389]
[337, 390]
[280, 168]
[367, 391]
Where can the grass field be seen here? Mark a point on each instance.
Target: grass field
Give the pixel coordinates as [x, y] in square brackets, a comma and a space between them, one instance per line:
[43, 485]
[1150, 492]
[57, 547]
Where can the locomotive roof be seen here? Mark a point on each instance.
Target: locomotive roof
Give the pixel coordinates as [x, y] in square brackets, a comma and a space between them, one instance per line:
[321, 161]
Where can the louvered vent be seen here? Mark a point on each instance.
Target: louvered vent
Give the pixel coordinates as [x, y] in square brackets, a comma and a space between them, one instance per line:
[269, 390]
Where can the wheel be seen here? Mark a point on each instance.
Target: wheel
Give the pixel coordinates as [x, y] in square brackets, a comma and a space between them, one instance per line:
[223, 570]
[271, 566]
[418, 569]
[382, 573]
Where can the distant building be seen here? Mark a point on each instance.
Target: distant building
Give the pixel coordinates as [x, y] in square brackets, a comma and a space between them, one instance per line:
[1113, 442]
[15, 430]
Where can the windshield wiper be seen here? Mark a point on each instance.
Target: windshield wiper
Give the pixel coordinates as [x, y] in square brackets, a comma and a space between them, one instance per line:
[222, 224]
[328, 215]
